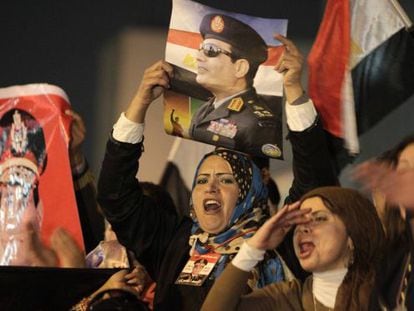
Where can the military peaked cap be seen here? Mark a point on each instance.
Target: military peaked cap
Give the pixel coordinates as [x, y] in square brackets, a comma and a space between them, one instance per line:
[245, 41]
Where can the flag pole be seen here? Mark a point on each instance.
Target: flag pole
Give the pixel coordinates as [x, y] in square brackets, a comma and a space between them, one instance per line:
[401, 12]
[174, 148]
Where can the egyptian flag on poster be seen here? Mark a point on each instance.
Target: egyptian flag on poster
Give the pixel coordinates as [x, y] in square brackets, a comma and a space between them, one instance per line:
[183, 42]
[36, 180]
[361, 66]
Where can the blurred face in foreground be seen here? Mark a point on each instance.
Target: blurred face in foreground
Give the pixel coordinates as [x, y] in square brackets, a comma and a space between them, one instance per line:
[323, 244]
[215, 194]
[406, 159]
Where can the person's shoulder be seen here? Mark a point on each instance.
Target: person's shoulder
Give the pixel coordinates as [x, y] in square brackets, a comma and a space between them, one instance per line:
[257, 105]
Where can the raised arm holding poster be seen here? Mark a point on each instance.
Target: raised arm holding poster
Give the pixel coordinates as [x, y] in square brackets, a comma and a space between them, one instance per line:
[225, 91]
[35, 177]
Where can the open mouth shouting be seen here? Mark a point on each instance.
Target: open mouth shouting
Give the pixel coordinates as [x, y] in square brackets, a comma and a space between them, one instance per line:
[211, 206]
[305, 249]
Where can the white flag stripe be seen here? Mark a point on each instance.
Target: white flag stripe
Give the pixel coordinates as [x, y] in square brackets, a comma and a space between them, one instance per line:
[32, 89]
[372, 22]
[350, 132]
[181, 56]
[266, 82]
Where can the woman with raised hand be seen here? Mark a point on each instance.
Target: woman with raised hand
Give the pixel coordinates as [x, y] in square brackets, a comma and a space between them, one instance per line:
[340, 244]
[228, 196]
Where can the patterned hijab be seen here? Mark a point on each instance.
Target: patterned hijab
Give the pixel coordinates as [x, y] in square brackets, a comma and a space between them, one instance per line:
[248, 215]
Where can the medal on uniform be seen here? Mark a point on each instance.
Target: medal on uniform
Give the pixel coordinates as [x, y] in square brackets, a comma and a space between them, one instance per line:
[197, 269]
[271, 150]
[223, 127]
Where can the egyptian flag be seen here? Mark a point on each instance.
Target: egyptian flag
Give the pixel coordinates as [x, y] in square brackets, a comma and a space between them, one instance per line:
[182, 46]
[361, 66]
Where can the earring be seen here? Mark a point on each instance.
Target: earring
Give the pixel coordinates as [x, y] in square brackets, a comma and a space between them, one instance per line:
[193, 214]
[351, 255]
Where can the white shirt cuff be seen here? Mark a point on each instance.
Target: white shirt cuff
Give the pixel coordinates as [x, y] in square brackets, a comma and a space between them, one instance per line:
[300, 117]
[127, 131]
[247, 257]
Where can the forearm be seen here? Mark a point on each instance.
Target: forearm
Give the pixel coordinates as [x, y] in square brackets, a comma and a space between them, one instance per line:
[227, 290]
[312, 162]
[117, 181]
[231, 285]
[293, 91]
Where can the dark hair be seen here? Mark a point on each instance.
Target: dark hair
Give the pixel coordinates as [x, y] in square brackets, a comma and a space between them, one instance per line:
[360, 219]
[253, 66]
[392, 156]
[393, 223]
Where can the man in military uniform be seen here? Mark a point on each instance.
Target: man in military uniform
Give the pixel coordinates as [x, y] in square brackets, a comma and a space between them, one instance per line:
[235, 117]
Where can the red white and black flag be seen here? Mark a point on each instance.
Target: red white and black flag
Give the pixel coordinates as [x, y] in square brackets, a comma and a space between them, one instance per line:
[361, 66]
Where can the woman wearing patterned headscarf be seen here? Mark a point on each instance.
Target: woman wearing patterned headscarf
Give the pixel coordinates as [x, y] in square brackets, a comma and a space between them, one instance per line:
[229, 203]
[228, 199]
[340, 244]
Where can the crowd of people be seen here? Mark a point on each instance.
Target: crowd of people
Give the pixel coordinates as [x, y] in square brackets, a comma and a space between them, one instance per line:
[328, 248]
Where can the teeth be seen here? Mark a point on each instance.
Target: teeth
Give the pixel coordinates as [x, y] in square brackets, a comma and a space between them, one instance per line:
[211, 205]
[211, 202]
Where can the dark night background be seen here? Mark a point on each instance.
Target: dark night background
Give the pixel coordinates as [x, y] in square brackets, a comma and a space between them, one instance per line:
[58, 42]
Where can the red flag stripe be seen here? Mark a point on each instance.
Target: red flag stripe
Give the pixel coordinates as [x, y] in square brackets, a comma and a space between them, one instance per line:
[328, 61]
[188, 39]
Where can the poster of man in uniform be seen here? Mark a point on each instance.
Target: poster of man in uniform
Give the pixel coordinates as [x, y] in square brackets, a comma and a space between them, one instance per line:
[197, 269]
[225, 91]
[36, 186]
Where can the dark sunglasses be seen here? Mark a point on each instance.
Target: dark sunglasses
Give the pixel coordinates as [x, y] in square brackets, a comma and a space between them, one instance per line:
[211, 50]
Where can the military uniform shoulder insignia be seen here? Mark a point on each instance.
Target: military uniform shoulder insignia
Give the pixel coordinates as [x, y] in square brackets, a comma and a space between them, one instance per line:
[260, 111]
[236, 104]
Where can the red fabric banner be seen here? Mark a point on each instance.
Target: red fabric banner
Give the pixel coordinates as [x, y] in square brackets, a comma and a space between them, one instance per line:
[36, 180]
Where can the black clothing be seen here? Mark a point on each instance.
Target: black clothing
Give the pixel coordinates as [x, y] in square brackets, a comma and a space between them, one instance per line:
[159, 238]
[245, 122]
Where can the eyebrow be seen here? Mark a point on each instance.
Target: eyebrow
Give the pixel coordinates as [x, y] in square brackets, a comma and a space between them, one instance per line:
[320, 211]
[217, 174]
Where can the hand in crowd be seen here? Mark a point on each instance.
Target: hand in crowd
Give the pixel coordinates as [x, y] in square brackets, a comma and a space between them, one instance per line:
[395, 185]
[124, 280]
[67, 250]
[154, 81]
[64, 252]
[290, 65]
[273, 231]
[38, 254]
[77, 136]
[138, 278]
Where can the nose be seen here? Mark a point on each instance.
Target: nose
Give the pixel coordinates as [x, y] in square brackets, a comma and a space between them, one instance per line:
[200, 56]
[212, 186]
[303, 228]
